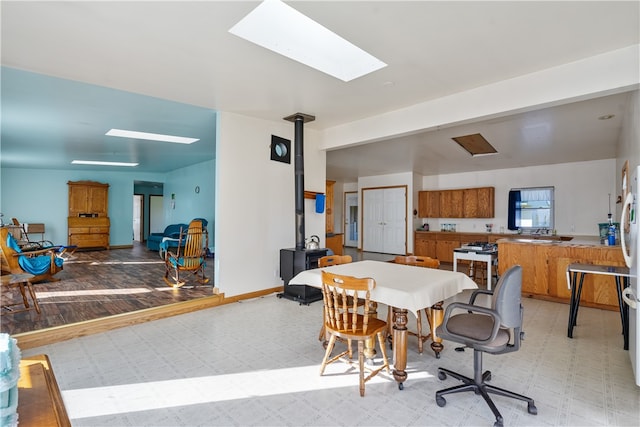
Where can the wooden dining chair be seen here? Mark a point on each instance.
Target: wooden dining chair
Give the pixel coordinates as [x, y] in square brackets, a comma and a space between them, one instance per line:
[327, 261]
[342, 320]
[418, 261]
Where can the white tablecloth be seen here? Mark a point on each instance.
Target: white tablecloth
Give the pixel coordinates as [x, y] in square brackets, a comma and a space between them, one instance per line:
[397, 285]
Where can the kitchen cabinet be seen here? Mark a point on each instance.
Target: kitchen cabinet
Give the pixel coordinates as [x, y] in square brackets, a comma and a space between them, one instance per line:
[440, 245]
[429, 204]
[479, 202]
[446, 243]
[424, 244]
[334, 242]
[329, 218]
[88, 221]
[451, 204]
[544, 270]
[459, 203]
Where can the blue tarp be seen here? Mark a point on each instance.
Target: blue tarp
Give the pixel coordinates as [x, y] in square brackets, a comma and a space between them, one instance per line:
[34, 265]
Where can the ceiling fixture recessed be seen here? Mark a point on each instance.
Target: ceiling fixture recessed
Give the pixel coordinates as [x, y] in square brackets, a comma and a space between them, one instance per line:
[282, 29]
[150, 136]
[93, 162]
[475, 144]
[606, 117]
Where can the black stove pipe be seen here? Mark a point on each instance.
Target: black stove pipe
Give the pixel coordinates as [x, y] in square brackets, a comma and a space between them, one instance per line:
[299, 181]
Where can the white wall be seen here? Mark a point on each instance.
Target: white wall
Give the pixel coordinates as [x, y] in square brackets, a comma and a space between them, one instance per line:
[255, 201]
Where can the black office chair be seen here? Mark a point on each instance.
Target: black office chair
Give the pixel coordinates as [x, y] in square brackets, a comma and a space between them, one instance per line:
[486, 330]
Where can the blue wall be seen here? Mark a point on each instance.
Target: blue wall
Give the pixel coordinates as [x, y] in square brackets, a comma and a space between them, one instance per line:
[42, 196]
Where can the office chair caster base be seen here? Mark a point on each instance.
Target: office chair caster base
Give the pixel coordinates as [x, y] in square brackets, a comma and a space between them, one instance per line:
[531, 408]
[400, 386]
[442, 376]
[441, 401]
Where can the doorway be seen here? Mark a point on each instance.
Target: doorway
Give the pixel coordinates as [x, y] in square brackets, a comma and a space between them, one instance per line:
[138, 219]
[351, 219]
[156, 223]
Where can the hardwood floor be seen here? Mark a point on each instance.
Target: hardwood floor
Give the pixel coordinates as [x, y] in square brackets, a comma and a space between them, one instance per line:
[102, 284]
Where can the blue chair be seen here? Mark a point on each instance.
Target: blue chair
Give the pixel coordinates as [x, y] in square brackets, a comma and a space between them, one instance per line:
[42, 264]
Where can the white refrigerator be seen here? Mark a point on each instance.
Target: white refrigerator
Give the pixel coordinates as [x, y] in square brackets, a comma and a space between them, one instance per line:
[630, 243]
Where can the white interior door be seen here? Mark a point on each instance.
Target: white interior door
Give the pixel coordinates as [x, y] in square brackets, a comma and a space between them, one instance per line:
[395, 213]
[384, 220]
[372, 220]
[351, 219]
[137, 217]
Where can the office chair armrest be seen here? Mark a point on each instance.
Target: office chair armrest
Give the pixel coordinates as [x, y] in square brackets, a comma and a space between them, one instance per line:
[472, 309]
[474, 294]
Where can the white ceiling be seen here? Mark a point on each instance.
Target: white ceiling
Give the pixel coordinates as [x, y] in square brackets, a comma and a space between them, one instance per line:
[182, 52]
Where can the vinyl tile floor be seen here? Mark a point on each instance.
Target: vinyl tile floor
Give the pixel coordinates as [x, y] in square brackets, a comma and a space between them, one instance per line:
[256, 363]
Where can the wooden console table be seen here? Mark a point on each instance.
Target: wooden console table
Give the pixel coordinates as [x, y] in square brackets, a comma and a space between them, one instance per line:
[39, 400]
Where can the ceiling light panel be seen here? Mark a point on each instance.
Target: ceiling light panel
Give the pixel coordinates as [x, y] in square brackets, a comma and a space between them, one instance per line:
[97, 163]
[282, 29]
[150, 136]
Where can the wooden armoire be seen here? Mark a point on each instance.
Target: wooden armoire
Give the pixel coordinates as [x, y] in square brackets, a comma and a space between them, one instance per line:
[88, 221]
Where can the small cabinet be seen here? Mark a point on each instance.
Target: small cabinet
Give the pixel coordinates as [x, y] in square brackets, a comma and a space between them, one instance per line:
[479, 202]
[88, 221]
[446, 243]
[424, 244]
[334, 242]
[429, 204]
[451, 204]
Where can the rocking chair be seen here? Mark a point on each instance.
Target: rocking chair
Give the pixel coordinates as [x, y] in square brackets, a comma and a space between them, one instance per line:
[43, 264]
[25, 243]
[190, 255]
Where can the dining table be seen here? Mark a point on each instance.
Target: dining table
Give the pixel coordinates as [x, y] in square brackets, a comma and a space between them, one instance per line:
[405, 288]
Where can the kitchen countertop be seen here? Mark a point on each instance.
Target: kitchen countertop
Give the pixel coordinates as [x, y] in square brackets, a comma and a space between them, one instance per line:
[592, 241]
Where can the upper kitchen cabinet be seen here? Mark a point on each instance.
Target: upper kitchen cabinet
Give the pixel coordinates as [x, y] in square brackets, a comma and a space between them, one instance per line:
[459, 203]
[451, 204]
[429, 204]
[479, 202]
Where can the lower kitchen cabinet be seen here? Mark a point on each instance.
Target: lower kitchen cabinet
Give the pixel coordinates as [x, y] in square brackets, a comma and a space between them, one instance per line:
[544, 270]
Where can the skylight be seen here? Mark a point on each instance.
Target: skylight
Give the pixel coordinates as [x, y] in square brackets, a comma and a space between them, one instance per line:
[151, 136]
[282, 29]
[93, 162]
